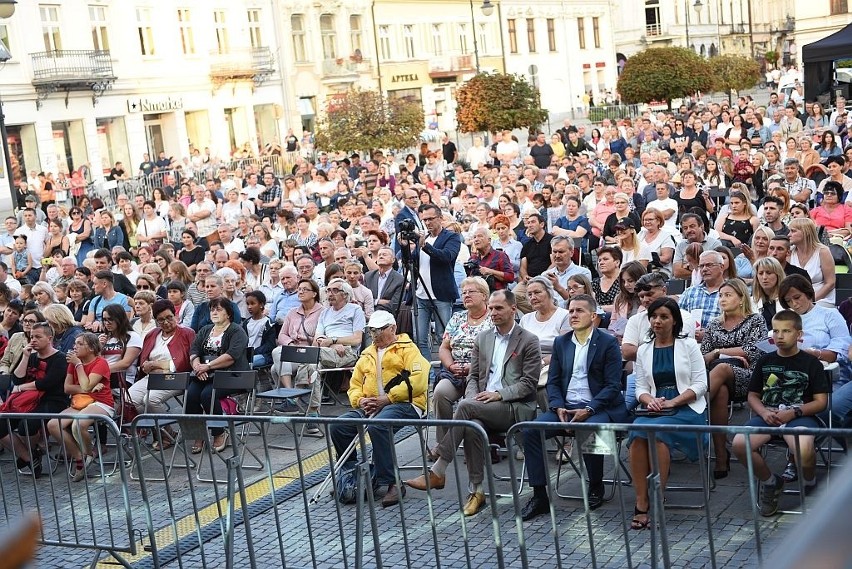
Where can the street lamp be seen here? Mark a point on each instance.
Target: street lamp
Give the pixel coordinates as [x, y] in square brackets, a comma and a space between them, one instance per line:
[7, 8]
[698, 5]
[487, 9]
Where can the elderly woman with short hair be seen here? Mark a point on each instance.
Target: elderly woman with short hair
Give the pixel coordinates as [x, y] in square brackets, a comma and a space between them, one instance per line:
[65, 330]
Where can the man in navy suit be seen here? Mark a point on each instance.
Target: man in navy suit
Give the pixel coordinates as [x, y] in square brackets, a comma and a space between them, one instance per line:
[583, 385]
[436, 252]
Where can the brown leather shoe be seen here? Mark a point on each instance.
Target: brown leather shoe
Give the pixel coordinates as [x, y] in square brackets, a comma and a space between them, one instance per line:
[393, 495]
[474, 503]
[434, 482]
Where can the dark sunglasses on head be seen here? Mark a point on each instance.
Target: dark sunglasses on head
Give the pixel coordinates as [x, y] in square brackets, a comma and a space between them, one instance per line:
[645, 286]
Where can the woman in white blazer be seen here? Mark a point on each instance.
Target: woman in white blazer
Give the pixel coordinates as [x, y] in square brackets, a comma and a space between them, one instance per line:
[671, 380]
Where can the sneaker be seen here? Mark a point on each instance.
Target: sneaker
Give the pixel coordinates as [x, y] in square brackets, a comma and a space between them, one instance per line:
[312, 430]
[768, 495]
[285, 406]
[791, 473]
[29, 468]
[78, 469]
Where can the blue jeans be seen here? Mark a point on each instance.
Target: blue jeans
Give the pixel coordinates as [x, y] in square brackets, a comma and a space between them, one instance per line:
[380, 437]
[841, 406]
[260, 360]
[630, 400]
[425, 315]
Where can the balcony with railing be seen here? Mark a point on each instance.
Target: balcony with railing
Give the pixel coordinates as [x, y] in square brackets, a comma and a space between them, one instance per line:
[251, 63]
[451, 65]
[652, 30]
[72, 70]
[344, 69]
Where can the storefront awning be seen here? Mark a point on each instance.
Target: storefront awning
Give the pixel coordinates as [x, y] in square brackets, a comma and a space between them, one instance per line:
[306, 107]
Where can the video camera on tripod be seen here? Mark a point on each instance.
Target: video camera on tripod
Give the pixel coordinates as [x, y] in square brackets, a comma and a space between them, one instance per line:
[408, 231]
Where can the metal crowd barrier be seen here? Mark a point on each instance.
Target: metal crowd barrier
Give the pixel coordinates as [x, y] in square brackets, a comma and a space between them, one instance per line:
[279, 518]
[93, 513]
[705, 549]
[286, 514]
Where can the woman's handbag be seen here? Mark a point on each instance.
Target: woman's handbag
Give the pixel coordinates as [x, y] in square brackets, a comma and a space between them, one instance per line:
[80, 401]
[21, 402]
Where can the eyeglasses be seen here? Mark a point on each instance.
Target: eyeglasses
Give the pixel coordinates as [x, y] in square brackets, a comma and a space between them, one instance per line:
[76, 213]
[29, 321]
[334, 290]
[143, 287]
[468, 292]
[165, 319]
[829, 192]
[379, 330]
[708, 266]
[425, 219]
[304, 290]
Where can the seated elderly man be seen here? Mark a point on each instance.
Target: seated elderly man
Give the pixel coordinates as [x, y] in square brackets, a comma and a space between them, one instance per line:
[388, 382]
[339, 333]
[501, 390]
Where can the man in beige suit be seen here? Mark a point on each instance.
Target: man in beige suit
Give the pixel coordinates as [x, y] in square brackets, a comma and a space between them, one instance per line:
[501, 391]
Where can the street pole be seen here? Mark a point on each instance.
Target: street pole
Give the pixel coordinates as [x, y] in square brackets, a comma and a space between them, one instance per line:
[6, 155]
[475, 42]
[686, 20]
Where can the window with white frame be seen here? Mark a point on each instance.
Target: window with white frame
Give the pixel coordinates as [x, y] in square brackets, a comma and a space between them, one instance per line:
[297, 29]
[461, 33]
[254, 24]
[437, 39]
[355, 33]
[50, 29]
[4, 36]
[145, 30]
[408, 40]
[384, 42]
[220, 27]
[328, 34]
[483, 38]
[187, 37]
[98, 20]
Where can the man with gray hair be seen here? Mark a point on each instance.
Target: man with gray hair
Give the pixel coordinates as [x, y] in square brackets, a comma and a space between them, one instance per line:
[339, 333]
[231, 244]
[702, 300]
[564, 267]
[288, 297]
[489, 263]
[799, 187]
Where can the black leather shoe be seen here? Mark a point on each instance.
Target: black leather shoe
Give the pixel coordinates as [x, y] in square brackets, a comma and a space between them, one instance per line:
[596, 495]
[535, 507]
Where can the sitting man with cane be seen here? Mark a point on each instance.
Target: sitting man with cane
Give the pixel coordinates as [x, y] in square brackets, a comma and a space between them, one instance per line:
[389, 382]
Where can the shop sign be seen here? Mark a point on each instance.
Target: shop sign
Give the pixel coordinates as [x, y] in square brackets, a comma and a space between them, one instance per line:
[405, 78]
[154, 105]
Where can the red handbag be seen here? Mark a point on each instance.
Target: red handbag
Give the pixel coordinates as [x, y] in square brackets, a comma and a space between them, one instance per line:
[21, 402]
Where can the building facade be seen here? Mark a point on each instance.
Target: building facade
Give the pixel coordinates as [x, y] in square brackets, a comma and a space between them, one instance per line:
[145, 77]
[565, 47]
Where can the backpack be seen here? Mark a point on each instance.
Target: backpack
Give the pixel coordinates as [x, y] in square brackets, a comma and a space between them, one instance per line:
[346, 488]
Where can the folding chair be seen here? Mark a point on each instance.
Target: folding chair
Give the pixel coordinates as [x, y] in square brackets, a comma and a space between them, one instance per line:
[164, 382]
[618, 467]
[243, 381]
[296, 355]
[675, 286]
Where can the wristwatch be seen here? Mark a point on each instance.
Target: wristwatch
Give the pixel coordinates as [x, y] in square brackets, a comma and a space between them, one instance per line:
[590, 409]
[798, 412]
[333, 341]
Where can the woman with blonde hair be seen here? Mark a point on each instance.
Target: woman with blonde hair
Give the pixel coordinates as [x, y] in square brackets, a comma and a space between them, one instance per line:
[815, 258]
[43, 294]
[768, 274]
[65, 330]
[179, 272]
[730, 352]
[632, 248]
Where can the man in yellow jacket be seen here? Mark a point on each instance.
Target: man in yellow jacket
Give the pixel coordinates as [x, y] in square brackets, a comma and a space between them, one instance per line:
[401, 394]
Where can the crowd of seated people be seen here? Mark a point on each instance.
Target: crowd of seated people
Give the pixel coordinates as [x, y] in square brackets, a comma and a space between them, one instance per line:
[567, 254]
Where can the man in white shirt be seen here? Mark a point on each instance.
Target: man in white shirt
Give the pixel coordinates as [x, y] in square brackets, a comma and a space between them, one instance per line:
[253, 188]
[664, 204]
[232, 245]
[564, 267]
[36, 235]
[501, 390]
[202, 212]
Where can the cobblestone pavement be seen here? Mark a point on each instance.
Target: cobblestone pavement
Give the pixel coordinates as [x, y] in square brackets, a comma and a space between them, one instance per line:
[460, 542]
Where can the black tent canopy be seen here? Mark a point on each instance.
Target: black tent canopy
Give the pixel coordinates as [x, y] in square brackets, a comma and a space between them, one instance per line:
[818, 58]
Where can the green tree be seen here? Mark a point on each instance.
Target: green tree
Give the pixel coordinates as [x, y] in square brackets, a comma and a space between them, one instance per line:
[663, 74]
[733, 73]
[364, 120]
[496, 101]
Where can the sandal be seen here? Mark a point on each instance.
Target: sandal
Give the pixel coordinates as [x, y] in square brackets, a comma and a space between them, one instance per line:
[196, 447]
[223, 442]
[638, 524]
